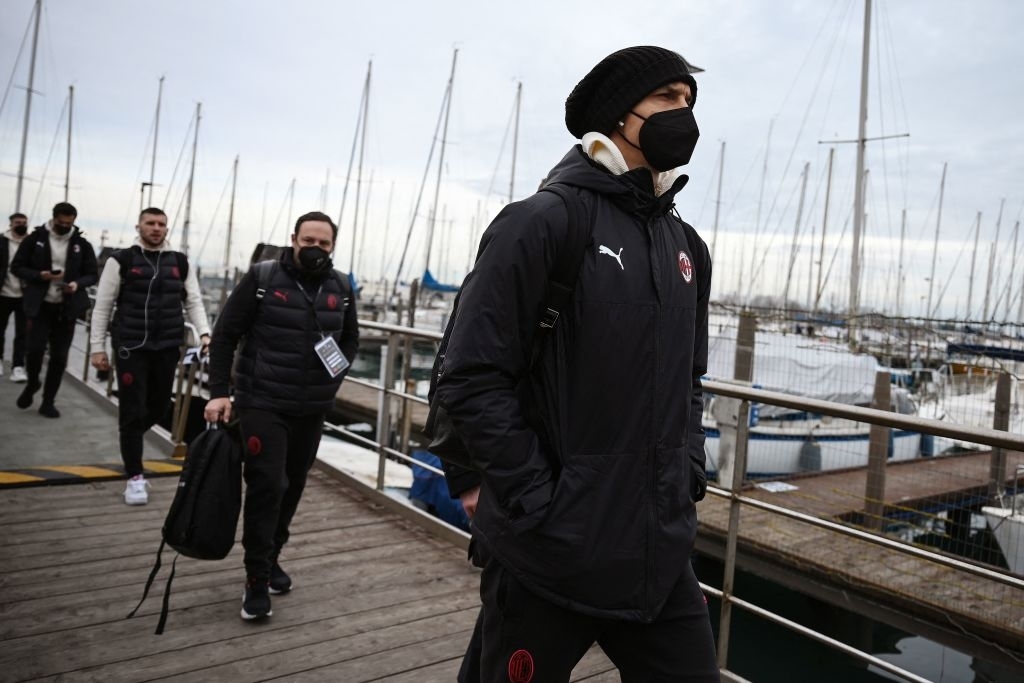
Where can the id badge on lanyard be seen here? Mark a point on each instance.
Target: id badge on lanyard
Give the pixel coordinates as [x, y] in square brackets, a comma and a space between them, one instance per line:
[331, 356]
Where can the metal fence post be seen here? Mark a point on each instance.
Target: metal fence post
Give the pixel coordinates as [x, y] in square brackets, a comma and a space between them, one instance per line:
[387, 380]
[744, 371]
[1001, 421]
[878, 454]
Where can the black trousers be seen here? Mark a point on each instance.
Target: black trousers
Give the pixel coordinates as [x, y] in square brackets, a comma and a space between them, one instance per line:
[278, 452]
[8, 305]
[144, 381]
[54, 329]
[520, 637]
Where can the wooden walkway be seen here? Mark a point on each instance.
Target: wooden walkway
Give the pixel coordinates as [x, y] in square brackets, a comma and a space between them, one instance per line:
[976, 615]
[376, 598]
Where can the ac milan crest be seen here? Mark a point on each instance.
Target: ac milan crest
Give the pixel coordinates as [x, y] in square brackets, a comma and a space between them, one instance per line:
[685, 267]
[520, 667]
[332, 302]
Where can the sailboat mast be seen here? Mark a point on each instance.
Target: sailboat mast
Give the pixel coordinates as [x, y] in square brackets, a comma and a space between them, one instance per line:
[191, 182]
[387, 229]
[28, 106]
[1013, 260]
[359, 170]
[67, 163]
[718, 201]
[935, 249]
[515, 141]
[156, 136]
[824, 228]
[231, 216]
[992, 262]
[440, 162]
[858, 193]
[974, 258]
[796, 234]
[899, 267]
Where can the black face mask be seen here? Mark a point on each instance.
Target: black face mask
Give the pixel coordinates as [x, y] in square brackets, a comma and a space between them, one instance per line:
[20, 230]
[314, 260]
[667, 139]
[62, 229]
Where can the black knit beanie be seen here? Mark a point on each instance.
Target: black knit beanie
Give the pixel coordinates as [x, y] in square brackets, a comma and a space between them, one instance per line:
[618, 82]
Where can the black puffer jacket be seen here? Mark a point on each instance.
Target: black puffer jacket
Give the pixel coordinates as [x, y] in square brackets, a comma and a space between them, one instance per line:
[592, 466]
[278, 370]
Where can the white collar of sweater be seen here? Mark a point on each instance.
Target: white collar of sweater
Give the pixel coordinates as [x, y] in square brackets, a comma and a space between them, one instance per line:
[601, 149]
[145, 247]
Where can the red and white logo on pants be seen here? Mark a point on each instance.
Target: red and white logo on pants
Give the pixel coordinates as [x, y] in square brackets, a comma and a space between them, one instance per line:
[520, 667]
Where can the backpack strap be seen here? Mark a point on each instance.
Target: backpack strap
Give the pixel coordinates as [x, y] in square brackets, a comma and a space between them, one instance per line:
[565, 272]
[264, 274]
[149, 581]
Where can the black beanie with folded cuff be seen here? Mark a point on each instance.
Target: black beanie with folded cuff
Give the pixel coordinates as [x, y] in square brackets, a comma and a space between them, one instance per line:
[618, 82]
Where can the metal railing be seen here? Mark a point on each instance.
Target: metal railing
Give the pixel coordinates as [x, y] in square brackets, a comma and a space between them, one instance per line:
[400, 337]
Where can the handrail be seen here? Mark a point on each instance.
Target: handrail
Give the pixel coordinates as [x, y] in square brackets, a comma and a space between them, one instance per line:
[910, 423]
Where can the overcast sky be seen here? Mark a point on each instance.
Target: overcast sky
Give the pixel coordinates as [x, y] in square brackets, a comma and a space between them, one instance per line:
[280, 86]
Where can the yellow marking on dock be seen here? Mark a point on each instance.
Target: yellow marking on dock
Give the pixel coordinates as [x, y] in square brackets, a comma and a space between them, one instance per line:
[17, 478]
[163, 467]
[84, 471]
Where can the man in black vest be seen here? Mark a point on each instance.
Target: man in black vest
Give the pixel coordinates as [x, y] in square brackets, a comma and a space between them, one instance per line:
[139, 298]
[56, 265]
[10, 297]
[296, 320]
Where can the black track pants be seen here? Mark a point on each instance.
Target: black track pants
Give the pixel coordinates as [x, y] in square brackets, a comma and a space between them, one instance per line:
[521, 638]
[54, 329]
[144, 381]
[278, 452]
[9, 305]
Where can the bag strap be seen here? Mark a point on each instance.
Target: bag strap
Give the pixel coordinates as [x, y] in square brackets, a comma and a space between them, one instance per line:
[149, 581]
[565, 272]
[264, 273]
[165, 605]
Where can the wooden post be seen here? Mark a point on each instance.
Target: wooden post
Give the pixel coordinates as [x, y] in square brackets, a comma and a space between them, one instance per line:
[1001, 421]
[878, 455]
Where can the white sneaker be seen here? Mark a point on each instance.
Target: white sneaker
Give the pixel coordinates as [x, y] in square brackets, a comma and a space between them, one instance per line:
[18, 375]
[135, 491]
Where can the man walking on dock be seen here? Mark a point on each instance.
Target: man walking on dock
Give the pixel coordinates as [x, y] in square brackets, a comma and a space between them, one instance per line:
[140, 299]
[296, 321]
[589, 447]
[10, 297]
[56, 264]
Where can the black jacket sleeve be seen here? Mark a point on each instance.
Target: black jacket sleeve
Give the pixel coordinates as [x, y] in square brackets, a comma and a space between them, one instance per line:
[233, 321]
[695, 442]
[89, 274]
[488, 354]
[21, 265]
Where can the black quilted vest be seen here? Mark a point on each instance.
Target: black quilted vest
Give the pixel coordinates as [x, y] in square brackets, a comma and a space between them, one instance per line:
[149, 313]
[277, 368]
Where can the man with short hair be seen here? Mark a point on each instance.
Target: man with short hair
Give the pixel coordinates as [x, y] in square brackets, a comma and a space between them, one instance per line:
[56, 265]
[296, 321]
[140, 298]
[10, 297]
[588, 450]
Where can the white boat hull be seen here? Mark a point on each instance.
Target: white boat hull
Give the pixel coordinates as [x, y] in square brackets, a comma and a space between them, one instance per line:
[776, 450]
[1008, 528]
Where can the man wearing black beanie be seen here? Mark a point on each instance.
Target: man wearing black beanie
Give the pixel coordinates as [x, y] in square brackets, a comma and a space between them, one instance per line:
[582, 418]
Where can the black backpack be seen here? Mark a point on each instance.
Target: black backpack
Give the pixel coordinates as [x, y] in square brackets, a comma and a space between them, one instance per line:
[446, 443]
[203, 516]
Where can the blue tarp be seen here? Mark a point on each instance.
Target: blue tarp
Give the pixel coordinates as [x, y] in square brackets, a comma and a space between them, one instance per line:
[431, 489]
[429, 282]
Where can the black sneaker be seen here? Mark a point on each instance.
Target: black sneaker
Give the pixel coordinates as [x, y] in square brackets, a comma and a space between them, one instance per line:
[279, 581]
[25, 399]
[49, 410]
[256, 601]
